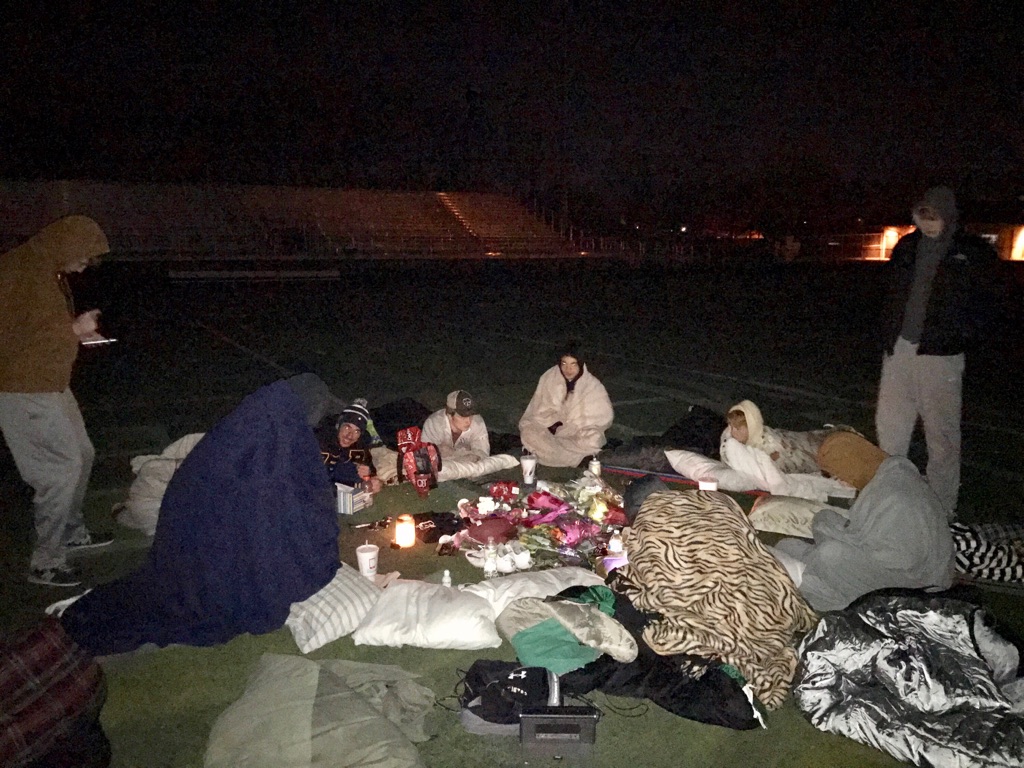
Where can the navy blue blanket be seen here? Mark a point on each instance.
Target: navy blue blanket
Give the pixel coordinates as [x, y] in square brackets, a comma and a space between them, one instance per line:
[247, 526]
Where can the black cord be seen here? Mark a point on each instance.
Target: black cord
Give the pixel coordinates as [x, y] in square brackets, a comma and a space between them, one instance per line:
[642, 706]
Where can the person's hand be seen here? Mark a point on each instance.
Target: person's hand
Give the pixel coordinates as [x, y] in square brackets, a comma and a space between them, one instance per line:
[373, 484]
[363, 470]
[87, 324]
[554, 427]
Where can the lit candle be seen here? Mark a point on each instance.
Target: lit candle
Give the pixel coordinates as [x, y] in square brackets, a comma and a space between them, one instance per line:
[405, 531]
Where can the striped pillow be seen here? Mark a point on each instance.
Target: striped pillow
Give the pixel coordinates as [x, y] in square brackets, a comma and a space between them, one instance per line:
[334, 611]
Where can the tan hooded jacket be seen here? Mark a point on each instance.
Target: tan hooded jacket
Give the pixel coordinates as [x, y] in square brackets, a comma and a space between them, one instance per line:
[37, 344]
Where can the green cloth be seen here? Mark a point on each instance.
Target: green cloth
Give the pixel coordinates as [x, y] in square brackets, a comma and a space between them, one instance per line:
[549, 644]
[598, 595]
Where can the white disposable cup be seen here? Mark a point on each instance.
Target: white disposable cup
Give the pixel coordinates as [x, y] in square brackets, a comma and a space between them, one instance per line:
[529, 464]
[366, 555]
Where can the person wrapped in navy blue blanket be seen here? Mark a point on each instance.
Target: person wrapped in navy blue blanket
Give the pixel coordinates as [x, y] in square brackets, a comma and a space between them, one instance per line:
[247, 526]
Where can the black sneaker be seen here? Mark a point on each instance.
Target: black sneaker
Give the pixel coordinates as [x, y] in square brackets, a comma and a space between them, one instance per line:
[89, 541]
[58, 576]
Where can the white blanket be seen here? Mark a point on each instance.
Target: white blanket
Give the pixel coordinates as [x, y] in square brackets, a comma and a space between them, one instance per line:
[758, 466]
[152, 474]
[586, 414]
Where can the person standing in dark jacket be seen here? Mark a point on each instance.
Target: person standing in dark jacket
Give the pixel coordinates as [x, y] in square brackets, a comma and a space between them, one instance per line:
[941, 288]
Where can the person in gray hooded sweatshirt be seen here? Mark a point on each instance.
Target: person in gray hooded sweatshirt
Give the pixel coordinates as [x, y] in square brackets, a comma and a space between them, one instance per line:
[942, 286]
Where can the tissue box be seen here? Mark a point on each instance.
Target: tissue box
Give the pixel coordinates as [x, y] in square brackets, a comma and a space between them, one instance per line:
[351, 499]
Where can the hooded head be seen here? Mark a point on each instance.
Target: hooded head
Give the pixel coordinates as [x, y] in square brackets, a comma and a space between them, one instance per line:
[70, 244]
[851, 458]
[316, 397]
[754, 420]
[935, 214]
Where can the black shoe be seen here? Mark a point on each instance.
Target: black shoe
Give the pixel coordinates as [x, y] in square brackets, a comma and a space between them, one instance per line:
[89, 541]
[58, 576]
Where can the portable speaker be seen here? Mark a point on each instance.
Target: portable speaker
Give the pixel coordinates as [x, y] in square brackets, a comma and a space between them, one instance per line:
[558, 731]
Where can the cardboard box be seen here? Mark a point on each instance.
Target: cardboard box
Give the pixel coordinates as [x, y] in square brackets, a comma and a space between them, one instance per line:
[352, 499]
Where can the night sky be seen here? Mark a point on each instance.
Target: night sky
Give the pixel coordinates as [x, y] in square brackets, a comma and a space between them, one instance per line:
[649, 111]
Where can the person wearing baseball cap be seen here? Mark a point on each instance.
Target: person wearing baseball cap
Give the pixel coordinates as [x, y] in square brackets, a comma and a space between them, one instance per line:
[458, 430]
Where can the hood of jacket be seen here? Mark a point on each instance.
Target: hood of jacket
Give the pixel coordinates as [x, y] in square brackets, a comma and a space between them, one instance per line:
[35, 309]
[941, 202]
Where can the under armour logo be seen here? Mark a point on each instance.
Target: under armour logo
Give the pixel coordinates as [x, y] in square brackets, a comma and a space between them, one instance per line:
[521, 674]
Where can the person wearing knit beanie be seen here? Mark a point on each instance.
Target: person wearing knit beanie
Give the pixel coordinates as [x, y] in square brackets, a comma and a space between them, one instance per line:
[356, 414]
[345, 446]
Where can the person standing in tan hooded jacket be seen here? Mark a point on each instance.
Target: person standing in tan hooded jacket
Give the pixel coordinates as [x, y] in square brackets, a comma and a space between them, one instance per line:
[39, 417]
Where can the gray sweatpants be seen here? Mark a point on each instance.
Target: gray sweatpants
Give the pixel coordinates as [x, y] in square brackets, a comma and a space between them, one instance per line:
[46, 435]
[929, 386]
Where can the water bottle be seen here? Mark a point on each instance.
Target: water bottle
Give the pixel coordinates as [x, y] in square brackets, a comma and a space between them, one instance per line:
[490, 559]
[446, 578]
[615, 544]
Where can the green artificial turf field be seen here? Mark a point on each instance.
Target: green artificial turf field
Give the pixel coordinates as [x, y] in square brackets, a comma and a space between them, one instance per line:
[798, 341]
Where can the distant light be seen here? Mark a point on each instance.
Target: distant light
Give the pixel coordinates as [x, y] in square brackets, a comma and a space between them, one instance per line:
[682, 229]
[1017, 252]
[493, 253]
[584, 253]
[889, 238]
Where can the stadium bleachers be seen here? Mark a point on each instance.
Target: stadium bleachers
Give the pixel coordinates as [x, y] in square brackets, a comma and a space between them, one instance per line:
[224, 223]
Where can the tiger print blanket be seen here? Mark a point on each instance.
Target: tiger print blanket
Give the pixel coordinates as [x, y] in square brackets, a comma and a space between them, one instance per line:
[695, 560]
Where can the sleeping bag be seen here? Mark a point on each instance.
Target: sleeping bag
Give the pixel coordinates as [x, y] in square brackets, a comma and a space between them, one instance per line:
[247, 527]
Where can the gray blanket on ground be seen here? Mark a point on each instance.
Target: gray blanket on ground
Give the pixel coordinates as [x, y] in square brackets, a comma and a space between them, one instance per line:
[895, 535]
[300, 713]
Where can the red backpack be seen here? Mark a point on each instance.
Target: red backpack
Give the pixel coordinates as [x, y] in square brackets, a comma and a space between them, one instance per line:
[415, 456]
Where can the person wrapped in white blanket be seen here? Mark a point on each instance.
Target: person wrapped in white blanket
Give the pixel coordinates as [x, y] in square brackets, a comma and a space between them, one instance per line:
[568, 415]
[781, 461]
[791, 452]
[460, 434]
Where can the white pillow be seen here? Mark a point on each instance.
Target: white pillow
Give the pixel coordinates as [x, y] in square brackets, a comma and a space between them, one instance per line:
[334, 611]
[788, 515]
[457, 469]
[503, 590]
[697, 466]
[428, 616]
